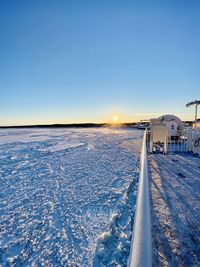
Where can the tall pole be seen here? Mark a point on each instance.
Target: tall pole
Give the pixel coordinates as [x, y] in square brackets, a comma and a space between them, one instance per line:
[194, 103]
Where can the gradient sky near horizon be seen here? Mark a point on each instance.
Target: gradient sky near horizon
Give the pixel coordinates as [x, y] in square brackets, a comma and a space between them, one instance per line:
[85, 61]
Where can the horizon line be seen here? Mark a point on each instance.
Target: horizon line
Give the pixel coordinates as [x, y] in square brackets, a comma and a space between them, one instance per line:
[69, 124]
[81, 124]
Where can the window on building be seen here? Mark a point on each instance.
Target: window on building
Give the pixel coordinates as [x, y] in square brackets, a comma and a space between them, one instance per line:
[172, 127]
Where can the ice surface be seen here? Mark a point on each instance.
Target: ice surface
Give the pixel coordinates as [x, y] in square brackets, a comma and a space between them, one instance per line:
[67, 196]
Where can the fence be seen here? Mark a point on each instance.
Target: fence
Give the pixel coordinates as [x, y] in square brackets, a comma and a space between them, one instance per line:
[179, 145]
[193, 141]
[168, 145]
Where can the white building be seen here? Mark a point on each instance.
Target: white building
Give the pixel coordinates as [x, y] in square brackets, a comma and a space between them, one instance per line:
[170, 124]
[163, 131]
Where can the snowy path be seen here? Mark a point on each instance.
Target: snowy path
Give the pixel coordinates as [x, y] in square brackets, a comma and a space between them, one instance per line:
[175, 190]
[67, 196]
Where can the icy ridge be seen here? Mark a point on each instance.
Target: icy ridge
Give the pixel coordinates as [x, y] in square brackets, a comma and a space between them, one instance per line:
[113, 246]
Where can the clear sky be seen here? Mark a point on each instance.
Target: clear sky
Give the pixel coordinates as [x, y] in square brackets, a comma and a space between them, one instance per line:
[85, 61]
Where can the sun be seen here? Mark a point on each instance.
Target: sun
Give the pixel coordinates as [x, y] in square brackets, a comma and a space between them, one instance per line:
[115, 118]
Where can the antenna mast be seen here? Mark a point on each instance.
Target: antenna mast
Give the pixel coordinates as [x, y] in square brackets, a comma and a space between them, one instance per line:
[194, 103]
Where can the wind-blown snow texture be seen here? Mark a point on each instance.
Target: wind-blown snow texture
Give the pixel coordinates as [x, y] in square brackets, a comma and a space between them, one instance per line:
[67, 196]
[175, 199]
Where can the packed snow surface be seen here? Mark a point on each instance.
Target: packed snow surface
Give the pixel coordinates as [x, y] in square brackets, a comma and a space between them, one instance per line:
[175, 191]
[67, 196]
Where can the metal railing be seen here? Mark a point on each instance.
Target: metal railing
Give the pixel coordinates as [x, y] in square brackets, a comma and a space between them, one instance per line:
[175, 146]
[141, 245]
[168, 146]
[193, 141]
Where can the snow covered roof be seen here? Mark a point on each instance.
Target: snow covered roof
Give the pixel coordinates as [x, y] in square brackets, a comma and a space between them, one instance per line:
[168, 117]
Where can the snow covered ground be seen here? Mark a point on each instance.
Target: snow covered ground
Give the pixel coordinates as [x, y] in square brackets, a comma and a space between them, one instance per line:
[175, 191]
[67, 196]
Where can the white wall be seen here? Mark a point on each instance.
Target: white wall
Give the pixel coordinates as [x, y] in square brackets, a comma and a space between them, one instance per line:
[171, 132]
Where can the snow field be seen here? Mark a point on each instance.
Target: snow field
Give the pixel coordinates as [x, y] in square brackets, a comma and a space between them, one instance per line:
[67, 196]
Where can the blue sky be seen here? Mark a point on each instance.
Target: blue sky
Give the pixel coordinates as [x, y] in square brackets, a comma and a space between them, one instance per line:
[84, 61]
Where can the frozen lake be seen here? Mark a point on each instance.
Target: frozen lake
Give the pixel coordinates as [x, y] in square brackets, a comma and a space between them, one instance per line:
[67, 196]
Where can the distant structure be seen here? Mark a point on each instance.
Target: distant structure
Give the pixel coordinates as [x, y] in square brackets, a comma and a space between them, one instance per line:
[194, 103]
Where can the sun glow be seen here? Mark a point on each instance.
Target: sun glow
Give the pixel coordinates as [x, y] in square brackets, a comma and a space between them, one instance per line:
[115, 118]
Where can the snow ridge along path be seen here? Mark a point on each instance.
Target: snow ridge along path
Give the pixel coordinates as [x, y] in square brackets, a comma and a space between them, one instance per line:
[67, 196]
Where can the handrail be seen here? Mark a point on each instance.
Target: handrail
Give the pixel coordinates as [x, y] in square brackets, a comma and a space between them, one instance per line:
[141, 251]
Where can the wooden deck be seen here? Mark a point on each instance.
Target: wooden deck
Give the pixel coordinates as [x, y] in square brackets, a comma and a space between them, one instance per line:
[175, 208]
